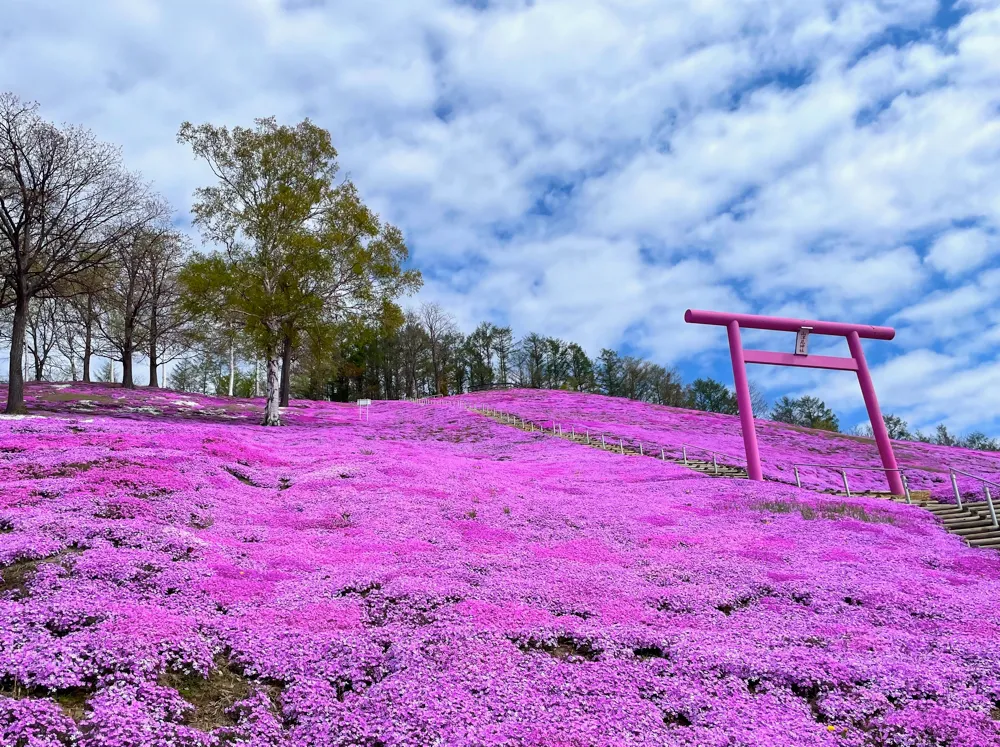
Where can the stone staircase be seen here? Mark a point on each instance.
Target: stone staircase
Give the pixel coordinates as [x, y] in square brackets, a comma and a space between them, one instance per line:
[714, 470]
[972, 522]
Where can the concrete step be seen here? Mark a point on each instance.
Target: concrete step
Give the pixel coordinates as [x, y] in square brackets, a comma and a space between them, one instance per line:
[986, 534]
[960, 520]
[972, 531]
[991, 544]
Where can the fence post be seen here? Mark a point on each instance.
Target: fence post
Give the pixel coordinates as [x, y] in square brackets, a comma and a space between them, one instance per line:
[989, 503]
[588, 436]
[798, 480]
[715, 462]
[847, 488]
[603, 445]
[663, 457]
[684, 450]
[640, 449]
[906, 488]
[621, 445]
[958, 493]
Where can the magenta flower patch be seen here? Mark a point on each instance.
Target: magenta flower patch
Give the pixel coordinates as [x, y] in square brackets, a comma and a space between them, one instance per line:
[185, 578]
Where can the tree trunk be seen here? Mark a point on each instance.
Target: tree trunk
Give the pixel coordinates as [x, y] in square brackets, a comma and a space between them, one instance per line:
[127, 382]
[38, 360]
[15, 373]
[154, 333]
[256, 377]
[88, 340]
[272, 415]
[434, 369]
[286, 370]
[232, 367]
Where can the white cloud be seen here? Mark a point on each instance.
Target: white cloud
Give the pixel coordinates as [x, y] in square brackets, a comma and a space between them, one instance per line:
[957, 252]
[590, 168]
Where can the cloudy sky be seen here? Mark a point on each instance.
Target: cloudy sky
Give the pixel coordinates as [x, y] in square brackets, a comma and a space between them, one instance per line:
[591, 168]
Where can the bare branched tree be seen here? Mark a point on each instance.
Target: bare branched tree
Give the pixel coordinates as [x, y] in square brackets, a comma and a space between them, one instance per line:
[166, 334]
[440, 327]
[65, 200]
[127, 296]
[80, 316]
[42, 332]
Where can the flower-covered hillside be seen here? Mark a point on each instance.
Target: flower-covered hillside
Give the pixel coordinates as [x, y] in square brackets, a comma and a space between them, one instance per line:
[165, 404]
[431, 577]
[781, 446]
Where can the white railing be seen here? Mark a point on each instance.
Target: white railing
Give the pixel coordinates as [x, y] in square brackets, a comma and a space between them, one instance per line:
[715, 455]
[559, 429]
[423, 400]
[844, 469]
[986, 490]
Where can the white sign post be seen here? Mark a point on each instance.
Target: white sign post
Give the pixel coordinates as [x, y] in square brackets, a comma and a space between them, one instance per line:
[802, 341]
[365, 403]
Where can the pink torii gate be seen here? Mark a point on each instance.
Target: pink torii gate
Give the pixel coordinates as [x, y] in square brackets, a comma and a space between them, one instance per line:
[801, 358]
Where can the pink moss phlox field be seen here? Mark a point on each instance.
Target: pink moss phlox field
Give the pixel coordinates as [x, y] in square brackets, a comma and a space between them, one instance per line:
[432, 577]
[781, 446]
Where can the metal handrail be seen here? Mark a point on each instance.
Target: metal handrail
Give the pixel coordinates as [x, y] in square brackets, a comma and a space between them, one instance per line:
[715, 455]
[846, 466]
[974, 477]
[986, 489]
[423, 400]
[712, 451]
[906, 484]
[842, 469]
[559, 430]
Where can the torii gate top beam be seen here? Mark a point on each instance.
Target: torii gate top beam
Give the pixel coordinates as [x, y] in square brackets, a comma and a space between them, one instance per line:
[782, 324]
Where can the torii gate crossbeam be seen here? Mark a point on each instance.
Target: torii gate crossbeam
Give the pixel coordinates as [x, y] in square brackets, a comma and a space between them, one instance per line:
[803, 327]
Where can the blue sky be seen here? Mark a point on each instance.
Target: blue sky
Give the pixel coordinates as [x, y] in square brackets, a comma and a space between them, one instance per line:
[591, 168]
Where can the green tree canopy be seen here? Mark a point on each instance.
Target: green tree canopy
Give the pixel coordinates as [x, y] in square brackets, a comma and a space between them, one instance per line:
[808, 412]
[712, 396]
[296, 249]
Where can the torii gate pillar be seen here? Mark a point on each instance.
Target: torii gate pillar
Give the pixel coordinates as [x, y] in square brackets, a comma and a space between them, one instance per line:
[801, 358]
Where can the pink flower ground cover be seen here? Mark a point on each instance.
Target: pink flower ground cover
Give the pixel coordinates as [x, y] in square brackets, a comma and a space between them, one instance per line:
[781, 446]
[434, 578]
